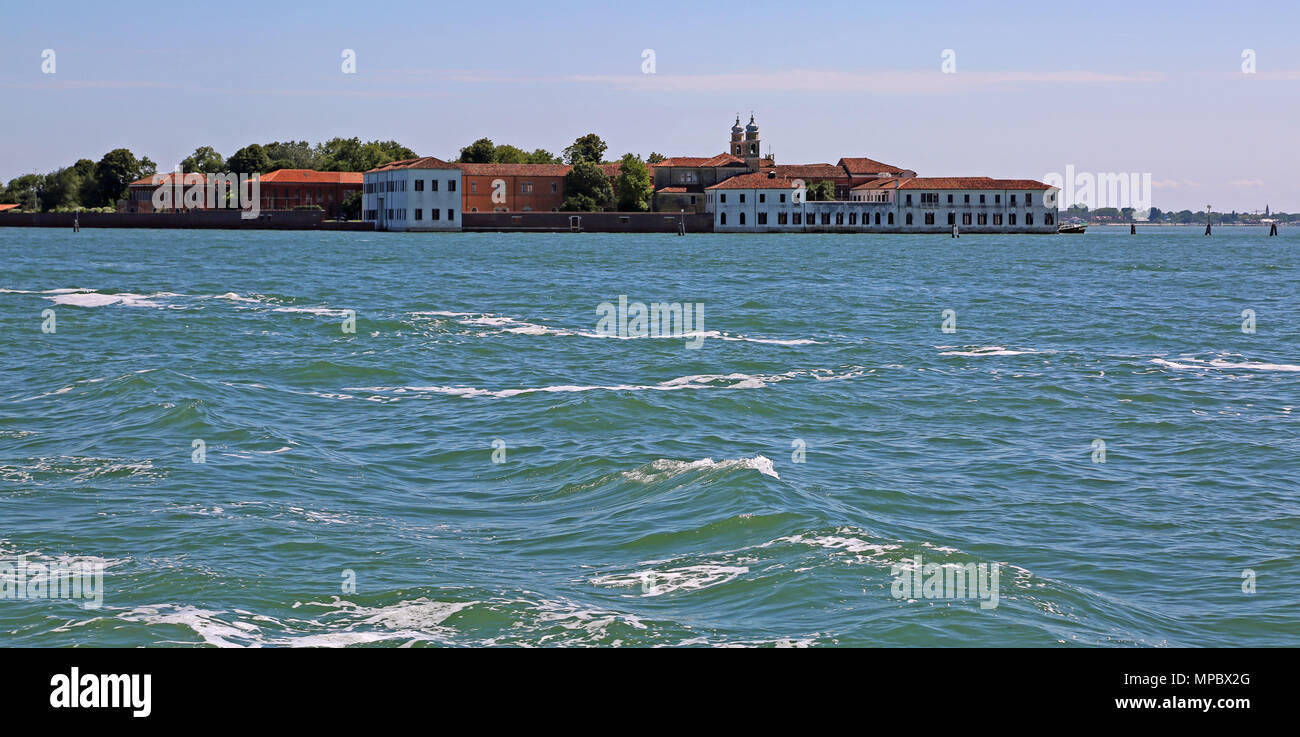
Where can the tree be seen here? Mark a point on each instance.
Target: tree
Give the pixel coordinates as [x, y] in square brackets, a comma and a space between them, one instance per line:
[587, 188]
[290, 155]
[62, 190]
[586, 148]
[350, 154]
[479, 152]
[633, 185]
[507, 154]
[251, 159]
[115, 171]
[351, 206]
[542, 156]
[821, 191]
[655, 158]
[205, 159]
[22, 191]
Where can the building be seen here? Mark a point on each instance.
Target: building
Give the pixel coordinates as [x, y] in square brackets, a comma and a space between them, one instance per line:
[413, 194]
[513, 187]
[289, 189]
[282, 189]
[766, 202]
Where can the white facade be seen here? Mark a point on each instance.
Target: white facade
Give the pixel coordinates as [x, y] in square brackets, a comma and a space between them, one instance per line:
[416, 195]
[769, 208]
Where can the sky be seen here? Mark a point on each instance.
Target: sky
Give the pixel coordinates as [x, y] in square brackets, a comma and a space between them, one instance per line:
[1030, 88]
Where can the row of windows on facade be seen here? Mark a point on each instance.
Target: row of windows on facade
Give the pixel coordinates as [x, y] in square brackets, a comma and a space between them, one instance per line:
[796, 218]
[399, 213]
[927, 198]
[399, 185]
[524, 187]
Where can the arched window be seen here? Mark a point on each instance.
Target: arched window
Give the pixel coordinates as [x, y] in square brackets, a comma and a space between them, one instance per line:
[742, 218]
[1048, 219]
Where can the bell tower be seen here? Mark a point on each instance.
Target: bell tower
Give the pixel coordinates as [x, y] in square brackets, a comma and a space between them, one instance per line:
[752, 148]
[737, 139]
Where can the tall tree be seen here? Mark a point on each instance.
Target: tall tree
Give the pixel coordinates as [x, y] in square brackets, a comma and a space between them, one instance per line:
[117, 169]
[587, 189]
[290, 155]
[205, 159]
[586, 148]
[654, 157]
[478, 152]
[633, 185]
[251, 159]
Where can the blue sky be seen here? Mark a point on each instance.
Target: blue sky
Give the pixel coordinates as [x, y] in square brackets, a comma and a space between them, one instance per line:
[1105, 87]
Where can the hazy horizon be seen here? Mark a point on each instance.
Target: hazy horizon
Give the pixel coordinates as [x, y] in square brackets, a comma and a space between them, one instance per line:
[1116, 88]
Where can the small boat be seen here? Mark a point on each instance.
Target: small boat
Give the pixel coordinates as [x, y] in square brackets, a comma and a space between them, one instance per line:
[1072, 228]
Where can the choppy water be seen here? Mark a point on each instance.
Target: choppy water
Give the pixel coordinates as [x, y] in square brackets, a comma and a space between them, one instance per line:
[649, 494]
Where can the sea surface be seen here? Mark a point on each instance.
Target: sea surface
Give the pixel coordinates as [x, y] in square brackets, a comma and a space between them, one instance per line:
[477, 465]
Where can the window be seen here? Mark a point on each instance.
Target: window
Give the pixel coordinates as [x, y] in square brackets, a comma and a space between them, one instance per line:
[722, 218]
[1029, 218]
[419, 187]
[826, 218]
[390, 213]
[798, 218]
[782, 218]
[891, 218]
[1011, 219]
[983, 218]
[981, 199]
[909, 217]
[722, 197]
[762, 218]
[434, 213]
[930, 198]
[965, 218]
[929, 219]
[553, 188]
[742, 215]
[952, 218]
[839, 218]
[997, 218]
[451, 214]
[451, 185]
[909, 200]
[782, 198]
[950, 199]
[853, 218]
[419, 214]
[525, 187]
[1013, 202]
[1048, 219]
[742, 198]
[1029, 199]
[997, 199]
[692, 199]
[473, 188]
[762, 197]
[433, 185]
[967, 201]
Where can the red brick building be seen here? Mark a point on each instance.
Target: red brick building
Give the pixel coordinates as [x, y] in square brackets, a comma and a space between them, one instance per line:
[282, 189]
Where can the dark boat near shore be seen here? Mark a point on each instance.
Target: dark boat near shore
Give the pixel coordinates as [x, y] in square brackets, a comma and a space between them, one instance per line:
[1072, 228]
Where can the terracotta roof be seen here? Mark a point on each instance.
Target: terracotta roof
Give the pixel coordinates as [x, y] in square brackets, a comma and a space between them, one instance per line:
[7, 207]
[311, 176]
[663, 190]
[692, 161]
[424, 162]
[954, 183]
[514, 170]
[857, 167]
[807, 171]
[756, 180]
[611, 170]
[153, 180]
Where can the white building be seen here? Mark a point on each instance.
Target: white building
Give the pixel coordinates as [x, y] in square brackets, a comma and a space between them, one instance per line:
[413, 194]
[766, 202]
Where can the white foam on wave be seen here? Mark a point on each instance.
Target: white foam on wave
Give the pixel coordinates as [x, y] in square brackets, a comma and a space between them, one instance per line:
[1219, 363]
[696, 381]
[988, 350]
[653, 582]
[664, 468]
[313, 311]
[522, 327]
[99, 299]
